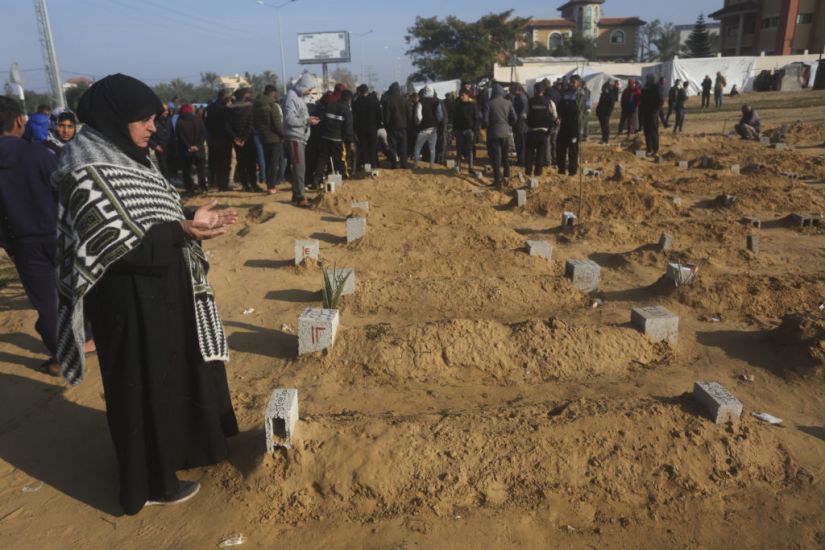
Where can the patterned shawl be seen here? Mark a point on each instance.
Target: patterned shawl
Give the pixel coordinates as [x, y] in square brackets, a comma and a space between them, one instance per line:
[107, 204]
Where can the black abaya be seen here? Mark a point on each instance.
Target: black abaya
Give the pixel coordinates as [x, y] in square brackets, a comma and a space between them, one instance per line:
[167, 409]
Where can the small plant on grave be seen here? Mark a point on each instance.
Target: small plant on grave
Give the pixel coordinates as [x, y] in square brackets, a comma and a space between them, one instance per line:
[333, 287]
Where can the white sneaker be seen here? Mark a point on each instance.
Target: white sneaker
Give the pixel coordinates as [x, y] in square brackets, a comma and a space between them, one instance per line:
[187, 490]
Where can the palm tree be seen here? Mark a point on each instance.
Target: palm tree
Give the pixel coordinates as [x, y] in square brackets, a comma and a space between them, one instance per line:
[211, 80]
[667, 42]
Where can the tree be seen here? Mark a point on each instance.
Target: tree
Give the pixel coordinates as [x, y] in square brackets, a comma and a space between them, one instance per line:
[342, 75]
[576, 45]
[667, 43]
[536, 49]
[648, 35]
[452, 48]
[699, 43]
[73, 95]
[259, 81]
[211, 80]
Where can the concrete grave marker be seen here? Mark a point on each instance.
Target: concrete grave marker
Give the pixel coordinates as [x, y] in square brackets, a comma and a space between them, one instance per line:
[641, 154]
[349, 283]
[752, 242]
[375, 174]
[765, 140]
[333, 183]
[734, 168]
[367, 167]
[532, 183]
[683, 165]
[306, 249]
[521, 197]
[568, 220]
[584, 274]
[520, 178]
[805, 220]
[592, 172]
[361, 205]
[780, 146]
[720, 404]
[316, 329]
[542, 249]
[657, 323]
[280, 418]
[665, 242]
[450, 164]
[681, 274]
[356, 228]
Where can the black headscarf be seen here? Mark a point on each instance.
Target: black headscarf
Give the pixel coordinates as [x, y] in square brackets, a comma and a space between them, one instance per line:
[111, 103]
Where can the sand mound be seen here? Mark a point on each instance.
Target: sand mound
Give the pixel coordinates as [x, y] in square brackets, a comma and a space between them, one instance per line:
[595, 461]
[456, 350]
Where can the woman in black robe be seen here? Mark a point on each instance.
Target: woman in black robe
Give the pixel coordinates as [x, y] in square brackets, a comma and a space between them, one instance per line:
[128, 253]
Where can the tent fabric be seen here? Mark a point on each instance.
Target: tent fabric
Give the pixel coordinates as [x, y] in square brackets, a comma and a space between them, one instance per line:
[441, 88]
[736, 70]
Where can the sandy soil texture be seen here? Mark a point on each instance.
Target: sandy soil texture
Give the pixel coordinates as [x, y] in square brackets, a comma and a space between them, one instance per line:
[474, 398]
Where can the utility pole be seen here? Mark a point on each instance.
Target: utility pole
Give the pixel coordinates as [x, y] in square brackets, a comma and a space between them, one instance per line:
[280, 37]
[49, 55]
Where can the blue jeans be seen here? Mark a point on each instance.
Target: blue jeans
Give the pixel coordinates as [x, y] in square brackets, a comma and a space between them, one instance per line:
[259, 150]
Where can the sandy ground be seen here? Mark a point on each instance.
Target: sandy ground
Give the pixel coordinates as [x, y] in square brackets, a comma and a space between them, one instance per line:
[474, 398]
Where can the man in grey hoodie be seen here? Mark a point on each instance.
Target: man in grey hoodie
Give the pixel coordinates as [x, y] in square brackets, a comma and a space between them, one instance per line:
[296, 133]
[499, 117]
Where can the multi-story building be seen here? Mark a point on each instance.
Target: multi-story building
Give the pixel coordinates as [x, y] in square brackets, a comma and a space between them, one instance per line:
[614, 37]
[778, 27]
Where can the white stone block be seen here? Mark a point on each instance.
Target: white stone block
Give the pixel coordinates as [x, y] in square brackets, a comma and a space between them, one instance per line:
[543, 249]
[641, 154]
[665, 242]
[765, 140]
[367, 167]
[657, 323]
[734, 168]
[568, 220]
[681, 274]
[280, 418]
[584, 274]
[316, 329]
[532, 183]
[333, 183]
[780, 146]
[375, 174]
[361, 205]
[450, 164]
[722, 406]
[349, 283]
[521, 197]
[356, 228]
[306, 248]
[683, 165]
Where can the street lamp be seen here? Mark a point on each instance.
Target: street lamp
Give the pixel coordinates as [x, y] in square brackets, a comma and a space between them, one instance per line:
[361, 40]
[280, 35]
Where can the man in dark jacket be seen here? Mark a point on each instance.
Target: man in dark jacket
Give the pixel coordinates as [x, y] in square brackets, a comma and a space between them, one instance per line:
[429, 113]
[334, 130]
[191, 136]
[672, 94]
[567, 146]
[649, 107]
[553, 90]
[395, 120]
[464, 122]
[366, 116]
[240, 131]
[663, 91]
[707, 85]
[219, 140]
[679, 106]
[499, 117]
[28, 220]
[268, 121]
[604, 109]
[541, 116]
[749, 125]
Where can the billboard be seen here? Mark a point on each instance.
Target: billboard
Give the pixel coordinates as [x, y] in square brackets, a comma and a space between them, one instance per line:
[323, 47]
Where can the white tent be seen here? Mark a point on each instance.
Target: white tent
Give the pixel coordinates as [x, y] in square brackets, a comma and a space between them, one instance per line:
[736, 70]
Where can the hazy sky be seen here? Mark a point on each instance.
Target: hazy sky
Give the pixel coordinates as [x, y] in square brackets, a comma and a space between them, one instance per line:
[157, 40]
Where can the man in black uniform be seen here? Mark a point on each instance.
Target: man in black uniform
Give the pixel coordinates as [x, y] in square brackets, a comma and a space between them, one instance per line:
[567, 145]
[395, 119]
[464, 122]
[218, 141]
[541, 116]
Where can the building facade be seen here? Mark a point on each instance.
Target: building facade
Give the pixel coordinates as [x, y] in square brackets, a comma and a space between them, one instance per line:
[685, 31]
[775, 27]
[615, 38]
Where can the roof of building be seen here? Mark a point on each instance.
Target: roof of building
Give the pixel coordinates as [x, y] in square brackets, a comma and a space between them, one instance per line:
[621, 21]
[79, 80]
[574, 2]
[741, 7]
[550, 23]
